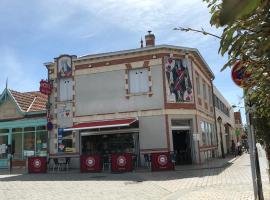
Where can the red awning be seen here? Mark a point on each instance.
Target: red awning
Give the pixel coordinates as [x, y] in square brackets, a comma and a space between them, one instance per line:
[102, 124]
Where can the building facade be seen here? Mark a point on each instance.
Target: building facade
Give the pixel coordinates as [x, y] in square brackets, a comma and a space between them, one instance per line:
[150, 99]
[225, 123]
[22, 126]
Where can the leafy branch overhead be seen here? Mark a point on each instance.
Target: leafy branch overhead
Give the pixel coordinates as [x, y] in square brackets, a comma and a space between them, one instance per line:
[245, 37]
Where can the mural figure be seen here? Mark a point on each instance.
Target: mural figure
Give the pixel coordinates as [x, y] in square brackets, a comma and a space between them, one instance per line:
[64, 67]
[178, 78]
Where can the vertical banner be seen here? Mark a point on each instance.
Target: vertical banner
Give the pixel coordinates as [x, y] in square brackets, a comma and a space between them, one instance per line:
[178, 83]
[161, 161]
[37, 165]
[90, 163]
[122, 162]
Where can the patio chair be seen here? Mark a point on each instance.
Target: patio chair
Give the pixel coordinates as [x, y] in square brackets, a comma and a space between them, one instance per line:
[147, 160]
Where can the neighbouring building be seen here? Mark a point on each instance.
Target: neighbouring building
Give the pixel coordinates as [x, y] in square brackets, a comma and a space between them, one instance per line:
[150, 99]
[224, 122]
[22, 126]
[239, 130]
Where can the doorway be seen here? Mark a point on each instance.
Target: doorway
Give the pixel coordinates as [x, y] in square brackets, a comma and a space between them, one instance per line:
[182, 147]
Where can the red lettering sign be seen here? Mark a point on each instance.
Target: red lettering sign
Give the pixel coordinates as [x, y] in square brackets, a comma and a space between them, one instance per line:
[37, 165]
[91, 163]
[45, 87]
[161, 161]
[121, 162]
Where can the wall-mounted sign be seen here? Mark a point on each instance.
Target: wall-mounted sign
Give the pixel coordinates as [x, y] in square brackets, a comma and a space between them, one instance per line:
[64, 66]
[45, 87]
[60, 139]
[179, 84]
[241, 76]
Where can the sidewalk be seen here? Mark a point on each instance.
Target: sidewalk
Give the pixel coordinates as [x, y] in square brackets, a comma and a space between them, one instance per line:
[210, 164]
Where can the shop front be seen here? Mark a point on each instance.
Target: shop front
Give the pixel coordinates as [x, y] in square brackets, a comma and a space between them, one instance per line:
[105, 140]
[26, 138]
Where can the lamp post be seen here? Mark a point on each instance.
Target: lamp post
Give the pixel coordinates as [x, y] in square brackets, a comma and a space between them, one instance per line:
[221, 138]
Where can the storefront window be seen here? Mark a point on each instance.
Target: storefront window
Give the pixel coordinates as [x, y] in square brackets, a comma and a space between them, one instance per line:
[41, 143]
[17, 146]
[29, 144]
[203, 133]
[66, 142]
[3, 146]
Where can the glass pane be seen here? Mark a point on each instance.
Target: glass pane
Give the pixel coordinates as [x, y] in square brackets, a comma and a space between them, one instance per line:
[17, 145]
[66, 144]
[3, 146]
[29, 144]
[41, 143]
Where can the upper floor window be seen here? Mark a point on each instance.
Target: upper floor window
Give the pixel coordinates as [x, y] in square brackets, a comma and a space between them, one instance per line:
[204, 91]
[198, 85]
[210, 96]
[138, 80]
[65, 93]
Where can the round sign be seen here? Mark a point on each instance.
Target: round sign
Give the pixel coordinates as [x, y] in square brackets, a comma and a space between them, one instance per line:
[49, 126]
[37, 163]
[90, 161]
[241, 76]
[121, 161]
[162, 160]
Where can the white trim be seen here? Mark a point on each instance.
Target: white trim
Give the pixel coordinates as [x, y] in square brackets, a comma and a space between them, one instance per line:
[109, 132]
[181, 128]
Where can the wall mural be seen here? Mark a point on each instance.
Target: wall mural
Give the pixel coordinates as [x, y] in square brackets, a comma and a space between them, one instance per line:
[178, 75]
[64, 64]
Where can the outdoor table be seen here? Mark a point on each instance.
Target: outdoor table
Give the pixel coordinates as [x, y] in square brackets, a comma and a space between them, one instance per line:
[37, 164]
[121, 162]
[90, 163]
[161, 161]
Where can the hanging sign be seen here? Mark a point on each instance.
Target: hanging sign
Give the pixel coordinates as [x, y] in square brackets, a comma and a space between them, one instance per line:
[45, 87]
[241, 76]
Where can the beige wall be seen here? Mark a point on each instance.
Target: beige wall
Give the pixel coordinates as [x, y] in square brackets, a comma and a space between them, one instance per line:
[8, 110]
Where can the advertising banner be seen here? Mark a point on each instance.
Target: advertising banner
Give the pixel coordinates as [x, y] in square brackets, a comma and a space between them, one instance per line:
[121, 162]
[91, 163]
[161, 161]
[37, 165]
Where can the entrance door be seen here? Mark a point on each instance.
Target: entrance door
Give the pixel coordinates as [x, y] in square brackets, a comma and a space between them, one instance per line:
[3, 154]
[181, 146]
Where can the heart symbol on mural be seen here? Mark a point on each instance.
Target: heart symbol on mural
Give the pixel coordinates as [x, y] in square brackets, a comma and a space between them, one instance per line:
[67, 114]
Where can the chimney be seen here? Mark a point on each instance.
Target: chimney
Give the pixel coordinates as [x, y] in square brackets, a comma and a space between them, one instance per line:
[150, 39]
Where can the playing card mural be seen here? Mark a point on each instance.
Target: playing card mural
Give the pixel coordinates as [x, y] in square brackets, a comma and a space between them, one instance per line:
[178, 75]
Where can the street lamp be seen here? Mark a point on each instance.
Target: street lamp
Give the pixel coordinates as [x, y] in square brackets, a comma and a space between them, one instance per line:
[221, 138]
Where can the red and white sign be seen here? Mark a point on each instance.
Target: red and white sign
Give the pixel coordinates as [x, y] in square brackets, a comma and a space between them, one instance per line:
[91, 163]
[122, 162]
[45, 87]
[37, 164]
[241, 76]
[161, 161]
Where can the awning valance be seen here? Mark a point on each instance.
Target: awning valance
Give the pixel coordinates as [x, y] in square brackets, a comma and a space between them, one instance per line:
[102, 124]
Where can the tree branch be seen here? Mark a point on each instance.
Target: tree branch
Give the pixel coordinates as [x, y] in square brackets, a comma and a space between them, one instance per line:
[198, 31]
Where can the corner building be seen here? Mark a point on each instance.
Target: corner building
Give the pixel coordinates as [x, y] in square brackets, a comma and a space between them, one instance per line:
[151, 99]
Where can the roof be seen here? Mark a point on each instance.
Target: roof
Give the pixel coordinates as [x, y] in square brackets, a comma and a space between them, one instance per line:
[29, 101]
[156, 47]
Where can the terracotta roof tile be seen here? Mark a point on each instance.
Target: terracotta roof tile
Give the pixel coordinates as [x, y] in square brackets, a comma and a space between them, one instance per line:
[30, 101]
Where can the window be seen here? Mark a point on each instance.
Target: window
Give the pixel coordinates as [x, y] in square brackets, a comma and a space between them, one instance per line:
[138, 80]
[203, 133]
[210, 96]
[204, 91]
[66, 142]
[198, 86]
[65, 93]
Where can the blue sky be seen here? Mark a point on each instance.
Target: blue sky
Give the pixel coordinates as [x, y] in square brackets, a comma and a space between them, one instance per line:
[34, 32]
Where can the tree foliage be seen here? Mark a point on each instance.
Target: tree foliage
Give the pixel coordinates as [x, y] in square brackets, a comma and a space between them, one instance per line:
[246, 37]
